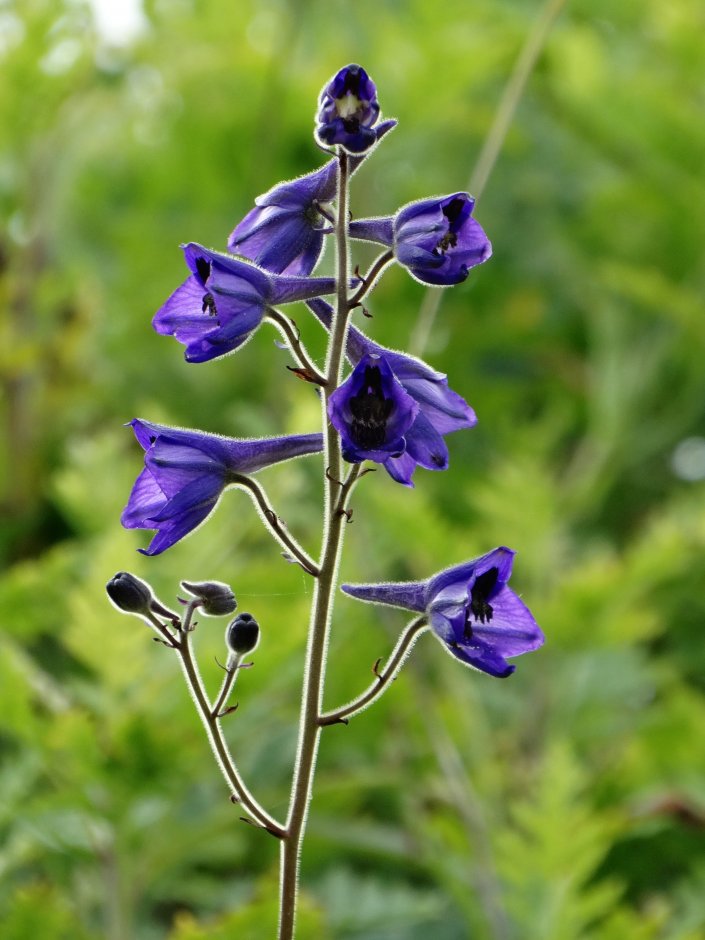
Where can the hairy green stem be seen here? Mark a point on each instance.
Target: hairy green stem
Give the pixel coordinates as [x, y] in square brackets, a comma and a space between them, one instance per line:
[369, 279]
[290, 332]
[384, 678]
[335, 518]
[231, 671]
[240, 793]
[274, 523]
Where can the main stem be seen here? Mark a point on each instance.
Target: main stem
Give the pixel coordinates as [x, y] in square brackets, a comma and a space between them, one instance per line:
[332, 540]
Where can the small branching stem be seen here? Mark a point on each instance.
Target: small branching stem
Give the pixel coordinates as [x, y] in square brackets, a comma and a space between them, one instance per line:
[370, 279]
[209, 717]
[231, 671]
[274, 523]
[290, 333]
[383, 679]
[167, 636]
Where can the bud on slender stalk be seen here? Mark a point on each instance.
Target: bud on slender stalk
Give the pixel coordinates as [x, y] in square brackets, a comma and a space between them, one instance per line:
[132, 595]
[217, 598]
[242, 635]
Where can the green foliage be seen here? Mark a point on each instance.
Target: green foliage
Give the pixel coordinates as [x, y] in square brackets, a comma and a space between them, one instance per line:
[567, 802]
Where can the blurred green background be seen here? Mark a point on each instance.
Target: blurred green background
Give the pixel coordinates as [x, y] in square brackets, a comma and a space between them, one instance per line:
[567, 802]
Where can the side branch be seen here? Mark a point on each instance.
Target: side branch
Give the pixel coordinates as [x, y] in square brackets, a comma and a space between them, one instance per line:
[369, 279]
[384, 678]
[346, 487]
[275, 525]
[218, 743]
[289, 331]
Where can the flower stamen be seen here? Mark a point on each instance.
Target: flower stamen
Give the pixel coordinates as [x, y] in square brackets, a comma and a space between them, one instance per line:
[480, 608]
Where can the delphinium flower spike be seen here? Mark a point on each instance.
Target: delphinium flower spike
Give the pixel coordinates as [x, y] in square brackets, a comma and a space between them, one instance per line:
[471, 610]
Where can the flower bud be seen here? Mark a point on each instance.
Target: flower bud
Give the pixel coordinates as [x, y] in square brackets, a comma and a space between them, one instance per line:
[242, 634]
[217, 599]
[130, 594]
[347, 110]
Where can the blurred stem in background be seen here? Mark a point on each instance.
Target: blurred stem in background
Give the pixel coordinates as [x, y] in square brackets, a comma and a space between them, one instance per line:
[509, 102]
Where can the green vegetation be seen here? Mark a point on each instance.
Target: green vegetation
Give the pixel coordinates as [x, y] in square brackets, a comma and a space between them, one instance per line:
[566, 803]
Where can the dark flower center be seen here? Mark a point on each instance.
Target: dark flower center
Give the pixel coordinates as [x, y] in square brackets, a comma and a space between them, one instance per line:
[370, 411]
[453, 210]
[480, 608]
[351, 125]
[351, 82]
[203, 269]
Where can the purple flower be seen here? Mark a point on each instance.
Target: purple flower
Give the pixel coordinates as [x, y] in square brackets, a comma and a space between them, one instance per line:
[372, 412]
[441, 410]
[221, 304]
[347, 109]
[284, 233]
[436, 239]
[186, 471]
[471, 610]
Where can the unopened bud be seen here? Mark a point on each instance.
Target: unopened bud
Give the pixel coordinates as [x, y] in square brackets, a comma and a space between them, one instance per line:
[130, 594]
[217, 599]
[242, 634]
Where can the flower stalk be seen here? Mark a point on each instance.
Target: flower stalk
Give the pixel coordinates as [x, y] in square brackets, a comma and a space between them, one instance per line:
[290, 333]
[332, 540]
[210, 718]
[274, 524]
[383, 678]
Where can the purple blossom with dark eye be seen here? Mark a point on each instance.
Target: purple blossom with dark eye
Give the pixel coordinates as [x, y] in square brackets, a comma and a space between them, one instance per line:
[285, 231]
[437, 239]
[218, 308]
[372, 412]
[347, 110]
[186, 471]
[441, 410]
[471, 610]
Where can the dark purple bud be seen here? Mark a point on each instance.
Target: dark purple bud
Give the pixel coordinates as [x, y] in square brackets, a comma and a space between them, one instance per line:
[371, 411]
[217, 599]
[130, 594]
[242, 635]
[347, 110]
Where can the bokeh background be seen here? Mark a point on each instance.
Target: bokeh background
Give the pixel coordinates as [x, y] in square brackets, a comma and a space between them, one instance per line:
[566, 802]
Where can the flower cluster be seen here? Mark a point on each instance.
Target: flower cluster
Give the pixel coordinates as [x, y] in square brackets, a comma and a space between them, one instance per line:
[379, 405]
[392, 408]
